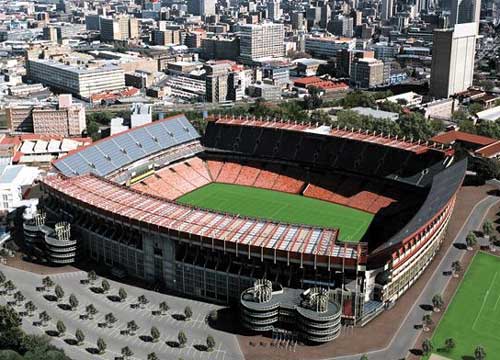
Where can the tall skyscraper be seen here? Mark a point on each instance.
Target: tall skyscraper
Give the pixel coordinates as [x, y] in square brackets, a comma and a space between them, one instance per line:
[121, 28]
[216, 82]
[261, 41]
[465, 11]
[387, 9]
[273, 9]
[201, 7]
[453, 52]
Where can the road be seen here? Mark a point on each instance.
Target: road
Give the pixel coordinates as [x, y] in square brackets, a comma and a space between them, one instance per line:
[406, 336]
[196, 329]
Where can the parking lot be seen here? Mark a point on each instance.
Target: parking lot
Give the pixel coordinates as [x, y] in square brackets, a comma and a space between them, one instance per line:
[169, 325]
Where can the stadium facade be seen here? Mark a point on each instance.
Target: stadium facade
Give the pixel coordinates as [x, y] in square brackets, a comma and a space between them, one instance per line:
[119, 196]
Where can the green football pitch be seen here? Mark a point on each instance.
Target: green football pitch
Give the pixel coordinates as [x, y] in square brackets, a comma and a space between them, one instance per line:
[279, 206]
[473, 317]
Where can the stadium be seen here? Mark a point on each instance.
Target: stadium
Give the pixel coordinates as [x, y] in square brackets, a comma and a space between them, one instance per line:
[301, 206]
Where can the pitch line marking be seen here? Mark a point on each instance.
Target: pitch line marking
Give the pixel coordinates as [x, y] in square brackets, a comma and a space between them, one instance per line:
[484, 300]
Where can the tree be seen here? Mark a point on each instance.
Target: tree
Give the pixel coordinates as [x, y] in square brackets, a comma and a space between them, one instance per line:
[474, 108]
[313, 99]
[155, 333]
[132, 327]
[427, 320]
[80, 336]
[9, 286]
[142, 300]
[493, 242]
[92, 276]
[19, 297]
[59, 292]
[163, 306]
[73, 301]
[456, 267]
[471, 240]
[47, 282]
[437, 302]
[488, 228]
[44, 317]
[122, 294]
[449, 344]
[2, 278]
[91, 310]
[101, 345]
[152, 356]
[30, 307]
[126, 352]
[110, 319]
[210, 343]
[479, 353]
[61, 328]
[10, 328]
[363, 357]
[427, 346]
[182, 338]
[486, 168]
[105, 285]
[188, 313]
[212, 316]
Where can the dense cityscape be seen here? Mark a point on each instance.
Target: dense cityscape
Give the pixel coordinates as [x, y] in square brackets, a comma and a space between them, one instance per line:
[254, 179]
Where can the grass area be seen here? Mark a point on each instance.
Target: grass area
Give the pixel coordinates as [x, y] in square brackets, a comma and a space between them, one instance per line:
[473, 317]
[279, 206]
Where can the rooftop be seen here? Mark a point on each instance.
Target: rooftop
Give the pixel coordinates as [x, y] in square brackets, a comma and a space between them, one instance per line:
[450, 137]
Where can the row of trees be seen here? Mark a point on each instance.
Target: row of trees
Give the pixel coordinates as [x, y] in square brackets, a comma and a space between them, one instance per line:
[449, 345]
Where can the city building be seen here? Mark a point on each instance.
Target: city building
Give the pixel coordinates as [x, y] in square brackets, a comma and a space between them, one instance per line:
[166, 37]
[67, 119]
[79, 81]
[14, 181]
[273, 10]
[265, 91]
[217, 81]
[201, 7]
[465, 11]
[141, 114]
[221, 47]
[387, 9]
[408, 99]
[50, 33]
[342, 26]
[367, 72]
[327, 47]
[376, 114]
[453, 52]
[121, 28]
[259, 41]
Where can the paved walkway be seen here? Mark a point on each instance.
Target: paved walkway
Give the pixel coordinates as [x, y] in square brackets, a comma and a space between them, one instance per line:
[407, 335]
[196, 329]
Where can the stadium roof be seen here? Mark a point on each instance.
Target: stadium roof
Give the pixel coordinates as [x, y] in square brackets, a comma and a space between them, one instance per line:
[359, 135]
[112, 153]
[444, 185]
[128, 205]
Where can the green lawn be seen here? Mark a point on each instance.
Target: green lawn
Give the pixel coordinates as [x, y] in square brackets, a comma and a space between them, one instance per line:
[473, 317]
[279, 206]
